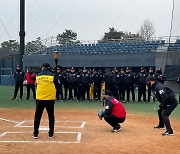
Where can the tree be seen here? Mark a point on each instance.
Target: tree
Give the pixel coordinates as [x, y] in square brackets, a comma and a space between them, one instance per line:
[115, 35]
[34, 46]
[112, 34]
[10, 45]
[67, 37]
[147, 29]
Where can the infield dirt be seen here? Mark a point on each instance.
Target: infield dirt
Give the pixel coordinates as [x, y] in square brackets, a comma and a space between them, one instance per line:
[137, 135]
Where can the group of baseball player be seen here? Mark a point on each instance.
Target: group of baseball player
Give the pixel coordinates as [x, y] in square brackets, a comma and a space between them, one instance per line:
[86, 84]
[49, 87]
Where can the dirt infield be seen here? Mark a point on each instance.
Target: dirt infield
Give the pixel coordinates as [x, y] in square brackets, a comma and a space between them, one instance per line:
[81, 132]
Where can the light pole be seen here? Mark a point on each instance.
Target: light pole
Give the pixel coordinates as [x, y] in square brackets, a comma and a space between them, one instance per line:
[22, 31]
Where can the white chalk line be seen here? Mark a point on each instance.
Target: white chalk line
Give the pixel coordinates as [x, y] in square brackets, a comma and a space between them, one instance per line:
[9, 120]
[78, 138]
[20, 123]
[45, 127]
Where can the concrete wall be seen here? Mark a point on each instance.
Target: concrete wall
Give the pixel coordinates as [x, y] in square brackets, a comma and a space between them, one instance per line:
[173, 58]
[94, 60]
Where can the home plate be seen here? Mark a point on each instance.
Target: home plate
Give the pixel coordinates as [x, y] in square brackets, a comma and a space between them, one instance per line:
[44, 128]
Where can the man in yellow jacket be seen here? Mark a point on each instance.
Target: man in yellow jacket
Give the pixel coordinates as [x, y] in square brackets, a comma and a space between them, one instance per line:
[47, 84]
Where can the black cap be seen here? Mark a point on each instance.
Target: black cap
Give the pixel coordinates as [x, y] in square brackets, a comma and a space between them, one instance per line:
[122, 69]
[84, 68]
[59, 67]
[116, 68]
[108, 92]
[46, 65]
[29, 69]
[72, 68]
[142, 68]
[18, 65]
[151, 68]
[128, 68]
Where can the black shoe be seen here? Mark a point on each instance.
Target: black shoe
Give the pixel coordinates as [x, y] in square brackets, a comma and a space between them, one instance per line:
[51, 136]
[168, 133]
[158, 127]
[116, 130]
[35, 136]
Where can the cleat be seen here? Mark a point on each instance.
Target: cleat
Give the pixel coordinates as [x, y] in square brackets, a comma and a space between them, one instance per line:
[158, 127]
[13, 98]
[116, 130]
[168, 133]
[35, 136]
[51, 136]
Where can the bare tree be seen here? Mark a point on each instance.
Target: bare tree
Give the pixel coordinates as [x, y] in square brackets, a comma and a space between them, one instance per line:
[147, 29]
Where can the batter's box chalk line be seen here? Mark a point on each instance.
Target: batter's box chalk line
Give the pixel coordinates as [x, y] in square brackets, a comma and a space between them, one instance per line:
[82, 125]
[78, 138]
[20, 124]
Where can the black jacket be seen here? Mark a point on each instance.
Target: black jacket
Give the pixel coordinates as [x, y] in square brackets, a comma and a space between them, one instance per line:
[19, 76]
[141, 78]
[107, 78]
[163, 94]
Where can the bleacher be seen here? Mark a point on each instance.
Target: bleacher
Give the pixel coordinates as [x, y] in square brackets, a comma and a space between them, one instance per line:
[174, 46]
[107, 47]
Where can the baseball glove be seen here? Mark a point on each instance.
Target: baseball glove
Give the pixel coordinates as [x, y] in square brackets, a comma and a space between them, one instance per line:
[100, 112]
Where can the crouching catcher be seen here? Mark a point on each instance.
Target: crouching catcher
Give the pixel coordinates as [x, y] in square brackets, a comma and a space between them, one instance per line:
[114, 112]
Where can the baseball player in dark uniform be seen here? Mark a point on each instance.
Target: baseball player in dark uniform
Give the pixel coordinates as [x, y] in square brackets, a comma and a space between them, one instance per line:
[168, 103]
[19, 77]
[85, 81]
[97, 80]
[141, 82]
[129, 84]
[107, 78]
[114, 112]
[160, 77]
[72, 82]
[151, 74]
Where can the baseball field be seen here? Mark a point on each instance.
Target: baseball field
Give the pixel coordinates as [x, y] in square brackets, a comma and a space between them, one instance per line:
[79, 131]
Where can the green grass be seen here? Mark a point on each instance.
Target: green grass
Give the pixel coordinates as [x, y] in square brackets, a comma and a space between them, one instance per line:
[6, 93]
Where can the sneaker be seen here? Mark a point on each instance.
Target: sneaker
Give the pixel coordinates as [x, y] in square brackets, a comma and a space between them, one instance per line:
[168, 133]
[35, 136]
[158, 127]
[13, 98]
[116, 130]
[51, 136]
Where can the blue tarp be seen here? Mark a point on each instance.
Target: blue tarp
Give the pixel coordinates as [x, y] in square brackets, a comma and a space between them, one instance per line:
[6, 80]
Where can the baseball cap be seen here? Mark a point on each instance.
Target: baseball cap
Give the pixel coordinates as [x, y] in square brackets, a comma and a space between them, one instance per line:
[29, 69]
[18, 65]
[46, 65]
[151, 68]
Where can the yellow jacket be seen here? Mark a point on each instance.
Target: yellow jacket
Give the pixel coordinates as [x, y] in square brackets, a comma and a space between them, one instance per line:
[46, 85]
